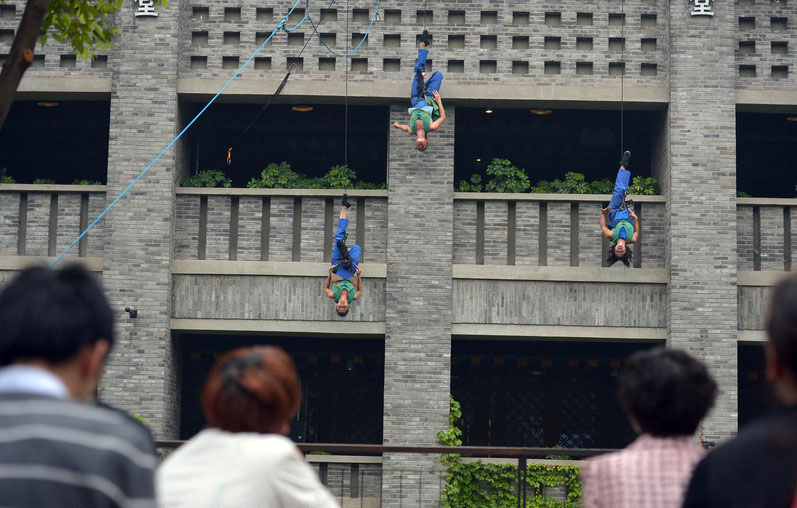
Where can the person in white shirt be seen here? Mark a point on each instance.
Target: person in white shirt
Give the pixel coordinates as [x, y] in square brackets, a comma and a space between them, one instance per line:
[244, 459]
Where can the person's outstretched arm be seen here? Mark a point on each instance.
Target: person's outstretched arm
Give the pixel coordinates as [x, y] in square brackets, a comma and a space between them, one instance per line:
[636, 226]
[606, 231]
[405, 128]
[359, 284]
[328, 291]
[437, 123]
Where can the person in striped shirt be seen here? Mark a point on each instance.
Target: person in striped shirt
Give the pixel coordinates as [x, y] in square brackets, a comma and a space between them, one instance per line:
[57, 449]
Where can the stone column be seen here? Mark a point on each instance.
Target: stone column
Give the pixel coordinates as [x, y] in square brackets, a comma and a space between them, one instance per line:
[418, 318]
[141, 373]
[701, 204]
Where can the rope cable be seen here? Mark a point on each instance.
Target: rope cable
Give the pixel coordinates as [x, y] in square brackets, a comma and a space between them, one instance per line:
[346, 100]
[357, 47]
[173, 141]
[622, 80]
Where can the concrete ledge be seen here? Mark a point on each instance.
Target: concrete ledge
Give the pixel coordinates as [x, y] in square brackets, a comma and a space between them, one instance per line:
[64, 88]
[766, 101]
[530, 462]
[15, 263]
[562, 273]
[240, 191]
[752, 336]
[526, 196]
[764, 278]
[515, 93]
[767, 201]
[342, 328]
[31, 188]
[602, 333]
[343, 459]
[274, 268]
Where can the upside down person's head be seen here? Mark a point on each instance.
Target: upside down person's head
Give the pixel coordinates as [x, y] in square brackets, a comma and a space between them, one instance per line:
[620, 252]
[342, 307]
[420, 141]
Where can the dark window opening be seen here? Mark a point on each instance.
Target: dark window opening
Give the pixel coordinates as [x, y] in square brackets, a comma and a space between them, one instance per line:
[755, 393]
[342, 384]
[766, 148]
[311, 141]
[549, 145]
[540, 394]
[58, 140]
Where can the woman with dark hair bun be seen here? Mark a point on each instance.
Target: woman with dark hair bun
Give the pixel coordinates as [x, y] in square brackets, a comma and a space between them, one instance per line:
[244, 459]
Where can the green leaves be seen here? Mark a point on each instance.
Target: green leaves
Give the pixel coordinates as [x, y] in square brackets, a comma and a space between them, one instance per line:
[474, 184]
[281, 176]
[574, 183]
[506, 177]
[207, 178]
[641, 185]
[495, 485]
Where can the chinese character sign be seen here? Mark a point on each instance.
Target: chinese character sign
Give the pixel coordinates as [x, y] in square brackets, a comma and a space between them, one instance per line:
[702, 8]
[145, 8]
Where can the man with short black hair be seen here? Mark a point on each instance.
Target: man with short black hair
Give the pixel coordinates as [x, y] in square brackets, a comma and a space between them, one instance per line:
[758, 469]
[57, 450]
[666, 394]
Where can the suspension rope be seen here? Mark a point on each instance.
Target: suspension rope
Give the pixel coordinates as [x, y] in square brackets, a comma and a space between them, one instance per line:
[280, 87]
[173, 141]
[622, 81]
[346, 103]
[365, 37]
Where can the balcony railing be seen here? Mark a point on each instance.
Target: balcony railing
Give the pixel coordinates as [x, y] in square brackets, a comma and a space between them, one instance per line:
[43, 220]
[548, 230]
[765, 239]
[354, 473]
[276, 224]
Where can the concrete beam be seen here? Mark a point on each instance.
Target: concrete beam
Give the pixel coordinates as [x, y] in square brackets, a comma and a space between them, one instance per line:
[16, 263]
[275, 268]
[305, 193]
[600, 333]
[752, 336]
[561, 273]
[502, 196]
[765, 278]
[278, 327]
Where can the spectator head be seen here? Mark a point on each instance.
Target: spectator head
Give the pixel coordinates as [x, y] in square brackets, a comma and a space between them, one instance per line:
[59, 320]
[666, 392]
[781, 348]
[254, 389]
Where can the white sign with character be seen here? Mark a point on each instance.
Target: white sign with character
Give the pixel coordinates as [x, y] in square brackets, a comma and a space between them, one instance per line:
[145, 8]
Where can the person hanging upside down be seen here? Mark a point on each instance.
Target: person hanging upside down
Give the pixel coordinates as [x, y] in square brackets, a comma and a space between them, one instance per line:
[620, 229]
[344, 283]
[427, 113]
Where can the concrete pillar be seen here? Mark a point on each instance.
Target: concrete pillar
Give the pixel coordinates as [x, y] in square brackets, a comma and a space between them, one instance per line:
[701, 205]
[418, 319]
[141, 373]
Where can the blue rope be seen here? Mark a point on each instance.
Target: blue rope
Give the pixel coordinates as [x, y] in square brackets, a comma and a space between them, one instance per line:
[315, 29]
[130, 186]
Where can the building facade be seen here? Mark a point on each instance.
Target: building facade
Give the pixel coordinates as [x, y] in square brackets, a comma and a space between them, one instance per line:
[441, 267]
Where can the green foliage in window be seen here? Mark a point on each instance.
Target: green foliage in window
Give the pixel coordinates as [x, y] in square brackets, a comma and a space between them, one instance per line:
[506, 177]
[574, 183]
[44, 181]
[85, 181]
[281, 176]
[7, 179]
[493, 485]
[742, 194]
[644, 185]
[207, 178]
[473, 184]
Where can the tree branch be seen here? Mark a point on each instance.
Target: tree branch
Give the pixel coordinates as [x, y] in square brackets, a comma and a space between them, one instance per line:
[21, 55]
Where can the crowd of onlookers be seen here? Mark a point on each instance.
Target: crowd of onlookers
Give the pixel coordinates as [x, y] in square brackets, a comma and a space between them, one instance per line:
[59, 448]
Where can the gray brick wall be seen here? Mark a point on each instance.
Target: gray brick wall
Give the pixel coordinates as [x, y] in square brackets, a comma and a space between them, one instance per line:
[269, 297]
[218, 232]
[250, 214]
[418, 319]
[142, 373]
[9, 225]
[765, 38]
[701, 211]
[557, 303]
[753, 307]
[527, 232]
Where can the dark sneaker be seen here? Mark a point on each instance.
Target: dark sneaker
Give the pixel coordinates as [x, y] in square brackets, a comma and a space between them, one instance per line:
[426, 39]
[626, 159]
[345, 200]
